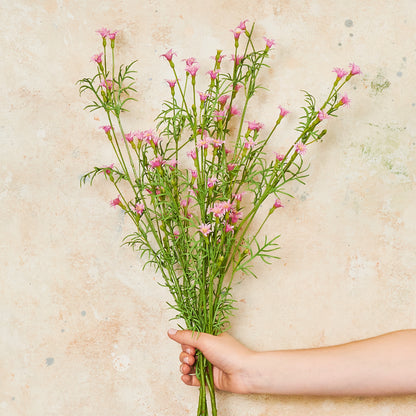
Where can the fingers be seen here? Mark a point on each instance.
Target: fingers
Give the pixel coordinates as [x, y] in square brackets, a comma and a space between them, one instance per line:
[188, 338]
[190, 380]
[186, 358]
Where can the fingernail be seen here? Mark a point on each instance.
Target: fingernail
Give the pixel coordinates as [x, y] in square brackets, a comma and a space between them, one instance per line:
[172, 331]
[188, 350]
[186, 360]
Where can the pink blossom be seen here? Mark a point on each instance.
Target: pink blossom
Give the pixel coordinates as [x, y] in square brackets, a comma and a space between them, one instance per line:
[242, 24]
[340, 72]
[237, 59]
[108, 169]
[223, 99]
[254, 125]
[139, 135]
[213, 74]
[322, 115]
[139, 208]
[236, 32]
[211, 182]
[283, 111]
[205, 229]
[108, 83]
[279, 156]
[238, 197]
[192, 70]
[227, 151]
[300, 148]
[204, 142]
[218, 115]
[106, 128]
[153, 140]
[194, 173]
[234, 111]
[192, 192]
[176, 233]
[217, 210]
[249, 143]
[185, 202]
[216, 143]
[278, 203]
[203, 96]
[157, 162]
[345, 100]
[227, 206]
[190, 61]
[97, 58]
[229, 228]
[269, 42]
[129, 137]
[172, 164]
[237, 87]
[355, 69]
[115, 202]
[112, 35]
[158, 190]
[218, 58]
[169, 55]
[171, 83]
[231, 166]
[235, 216]
[103, 32]
[192, 154]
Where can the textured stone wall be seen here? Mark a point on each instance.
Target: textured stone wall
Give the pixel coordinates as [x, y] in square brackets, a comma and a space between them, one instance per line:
[82, 327]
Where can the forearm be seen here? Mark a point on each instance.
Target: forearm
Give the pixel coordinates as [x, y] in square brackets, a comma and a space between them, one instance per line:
[382, 365]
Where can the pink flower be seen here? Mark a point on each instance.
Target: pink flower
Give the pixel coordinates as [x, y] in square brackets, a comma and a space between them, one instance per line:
[322, 115]
[169, 55]
[205, 229]
[279, 156]
[340, 72]
[204, 142]
[242, 24]
[172, 164]
[129, 137]
[103, 32]
[223, 99]
[235, 216]
[227, 151]
[194, 173]
[192, 154]
[155, 163]
[355, 69]
[219, 57]
[249, 143]
[218, 115]
[237, 59]
[192, 70]
[217, 143]
[236, 32]
[213, 74]
[106, 128]
[278, 203]
[217, 210]
[254, 125]
[112, 35]
[115, 202]
[229, 228]
[238, 197]
[139, 208]
[283, 111]
[345, 100]
[211, 182]
[231, 166]
[203, 96]
[189, 61]
[269, 42]
[300, 148]
[176, 233]
[171, 83]
[234, 111]
[97, 58]
[237, 87]
[108, 169]
[185, 202]
[108, 84]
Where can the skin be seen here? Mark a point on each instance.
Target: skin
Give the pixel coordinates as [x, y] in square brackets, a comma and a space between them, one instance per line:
[382, 365]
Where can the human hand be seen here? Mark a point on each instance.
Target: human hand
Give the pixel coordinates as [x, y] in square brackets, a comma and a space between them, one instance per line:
[230, 359]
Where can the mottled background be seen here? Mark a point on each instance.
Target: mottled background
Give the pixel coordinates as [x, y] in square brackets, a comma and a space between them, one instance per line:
[82, 327]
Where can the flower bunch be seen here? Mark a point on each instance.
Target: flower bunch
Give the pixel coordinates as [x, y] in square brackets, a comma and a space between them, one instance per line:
[196, 182]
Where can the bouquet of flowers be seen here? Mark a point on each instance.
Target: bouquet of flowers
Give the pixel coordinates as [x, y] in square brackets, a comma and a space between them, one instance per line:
[193, 185]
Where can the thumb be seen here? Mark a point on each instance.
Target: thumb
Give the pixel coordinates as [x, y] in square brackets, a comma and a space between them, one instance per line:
[191, 338]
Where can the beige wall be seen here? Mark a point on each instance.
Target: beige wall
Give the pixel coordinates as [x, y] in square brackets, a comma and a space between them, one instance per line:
[82, 327]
